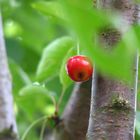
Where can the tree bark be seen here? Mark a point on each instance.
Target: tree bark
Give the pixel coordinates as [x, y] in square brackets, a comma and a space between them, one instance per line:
[113, 102]
[8, 130]
[76, 114]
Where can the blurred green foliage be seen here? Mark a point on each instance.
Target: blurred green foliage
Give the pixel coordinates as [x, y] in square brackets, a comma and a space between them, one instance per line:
[37, 48]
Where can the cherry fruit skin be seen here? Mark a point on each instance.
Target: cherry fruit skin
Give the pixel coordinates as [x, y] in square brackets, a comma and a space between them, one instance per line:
[79, 68]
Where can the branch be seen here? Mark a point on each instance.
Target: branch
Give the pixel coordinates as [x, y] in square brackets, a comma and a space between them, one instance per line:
[75, 117]
[8, 130]
[113, 103]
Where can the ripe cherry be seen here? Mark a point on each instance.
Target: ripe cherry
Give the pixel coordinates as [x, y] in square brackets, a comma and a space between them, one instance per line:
[79, 68]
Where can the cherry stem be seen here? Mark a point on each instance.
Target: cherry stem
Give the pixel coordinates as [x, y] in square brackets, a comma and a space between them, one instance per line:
[78, 48]
[32, 125]
[60, 100]
[43, 129]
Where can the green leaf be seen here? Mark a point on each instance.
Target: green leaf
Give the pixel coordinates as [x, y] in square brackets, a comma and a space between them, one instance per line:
[64, 78]
[84, 18]
[53, 9]
[33, 89]
[137, 136]
[138, 127]
[52, 57]
[33, 99]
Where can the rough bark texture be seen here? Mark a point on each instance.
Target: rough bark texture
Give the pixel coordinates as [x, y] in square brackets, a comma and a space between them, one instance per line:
[76, 114]
[113, 102]
[8, 130]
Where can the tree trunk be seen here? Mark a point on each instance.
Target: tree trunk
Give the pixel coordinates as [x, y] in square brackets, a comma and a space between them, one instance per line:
[113, 102]
[74, 122]
[8, 130]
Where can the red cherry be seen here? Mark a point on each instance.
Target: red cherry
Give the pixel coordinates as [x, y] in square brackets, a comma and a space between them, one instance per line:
[79, 68]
